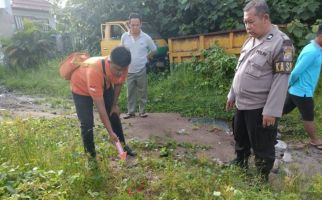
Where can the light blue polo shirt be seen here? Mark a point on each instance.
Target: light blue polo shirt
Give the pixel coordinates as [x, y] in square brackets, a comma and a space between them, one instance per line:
[139, 48]
[306, 73]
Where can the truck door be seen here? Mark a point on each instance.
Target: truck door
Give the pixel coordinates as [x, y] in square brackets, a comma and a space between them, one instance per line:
[111, 37]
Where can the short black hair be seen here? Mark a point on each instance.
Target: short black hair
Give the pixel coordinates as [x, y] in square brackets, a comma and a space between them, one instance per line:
[319, 30]
[260, 6]
[121, 56]
[134, 16]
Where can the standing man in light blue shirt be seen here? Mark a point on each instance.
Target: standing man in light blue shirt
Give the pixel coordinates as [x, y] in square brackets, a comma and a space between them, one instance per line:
[141, 47]
[302, 83]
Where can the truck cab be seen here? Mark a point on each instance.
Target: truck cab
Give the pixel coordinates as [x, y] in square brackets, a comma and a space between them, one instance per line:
[111, 33]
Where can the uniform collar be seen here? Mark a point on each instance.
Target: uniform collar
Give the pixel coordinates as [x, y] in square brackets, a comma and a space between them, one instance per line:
[266, 38]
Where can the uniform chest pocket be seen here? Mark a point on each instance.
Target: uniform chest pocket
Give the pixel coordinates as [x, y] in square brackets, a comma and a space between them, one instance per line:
[256, 66]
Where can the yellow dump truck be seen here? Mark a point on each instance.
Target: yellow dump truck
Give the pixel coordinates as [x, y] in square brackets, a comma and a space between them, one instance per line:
[111, 33]
[182, 49]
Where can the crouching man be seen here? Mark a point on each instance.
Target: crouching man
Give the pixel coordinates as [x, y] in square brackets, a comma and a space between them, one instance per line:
[98, 81]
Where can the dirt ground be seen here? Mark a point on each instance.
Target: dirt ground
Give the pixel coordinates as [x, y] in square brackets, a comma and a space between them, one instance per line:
[167, 127]
[18, 105]
[160, 127]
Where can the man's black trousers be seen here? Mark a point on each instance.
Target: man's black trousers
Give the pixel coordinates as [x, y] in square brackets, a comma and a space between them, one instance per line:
[84, 109]
[250, 133]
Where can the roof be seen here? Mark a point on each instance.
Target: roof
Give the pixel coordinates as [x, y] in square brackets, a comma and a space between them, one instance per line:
[41, 5]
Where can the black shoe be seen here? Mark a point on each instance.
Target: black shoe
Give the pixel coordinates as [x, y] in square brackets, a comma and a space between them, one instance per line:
[129, 151]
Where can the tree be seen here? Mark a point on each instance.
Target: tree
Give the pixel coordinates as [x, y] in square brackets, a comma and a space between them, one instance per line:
[29, 47]
[82, 18]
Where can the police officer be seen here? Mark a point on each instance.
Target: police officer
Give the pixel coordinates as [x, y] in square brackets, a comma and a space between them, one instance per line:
[259, 88]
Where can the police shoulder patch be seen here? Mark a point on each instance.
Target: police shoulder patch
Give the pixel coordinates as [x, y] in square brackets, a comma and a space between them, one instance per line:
[287, 49]
[283, 67]
[284, 63]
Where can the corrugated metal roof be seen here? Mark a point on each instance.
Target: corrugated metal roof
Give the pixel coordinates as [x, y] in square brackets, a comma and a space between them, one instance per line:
[41, 5]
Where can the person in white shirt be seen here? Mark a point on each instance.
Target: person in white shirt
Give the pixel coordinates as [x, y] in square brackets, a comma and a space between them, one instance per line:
[141, 47]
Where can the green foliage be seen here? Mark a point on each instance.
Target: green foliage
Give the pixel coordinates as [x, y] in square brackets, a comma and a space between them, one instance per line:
[43, 79]
[21, 182]
[301, 33]
[82, 19]
[44, 159]
[200, 87]
[216, 71]
[29, 47]
[190, 17]
[283, 12]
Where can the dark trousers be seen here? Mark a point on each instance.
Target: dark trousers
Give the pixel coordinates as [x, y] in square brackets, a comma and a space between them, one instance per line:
[84, 109]
[304, 104]
[249, 133]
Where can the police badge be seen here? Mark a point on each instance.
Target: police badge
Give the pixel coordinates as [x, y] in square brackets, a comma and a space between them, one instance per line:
[284, 63]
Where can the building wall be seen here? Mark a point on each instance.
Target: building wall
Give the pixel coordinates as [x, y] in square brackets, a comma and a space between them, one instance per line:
[20, 14]
[6, 19]
[5, 4]
[12, 15]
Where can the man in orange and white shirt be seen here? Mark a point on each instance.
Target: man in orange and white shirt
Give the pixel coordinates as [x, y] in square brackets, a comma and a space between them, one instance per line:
[99, 81]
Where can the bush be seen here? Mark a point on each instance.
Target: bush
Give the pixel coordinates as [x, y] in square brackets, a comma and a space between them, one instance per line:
[195, 89]
[29, 47]
[216, 70]
[301, 33]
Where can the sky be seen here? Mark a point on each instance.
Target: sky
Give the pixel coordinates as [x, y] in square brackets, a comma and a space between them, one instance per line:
[63, 2]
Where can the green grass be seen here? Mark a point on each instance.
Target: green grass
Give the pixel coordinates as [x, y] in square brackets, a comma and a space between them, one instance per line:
[185, 91]
[44, 159]
[178, 93]
[41, 80]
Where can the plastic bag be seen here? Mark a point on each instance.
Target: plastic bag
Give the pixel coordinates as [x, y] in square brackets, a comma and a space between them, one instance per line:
[71, 63]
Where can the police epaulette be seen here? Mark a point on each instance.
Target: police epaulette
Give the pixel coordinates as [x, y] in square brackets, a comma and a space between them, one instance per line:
[285, 37]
